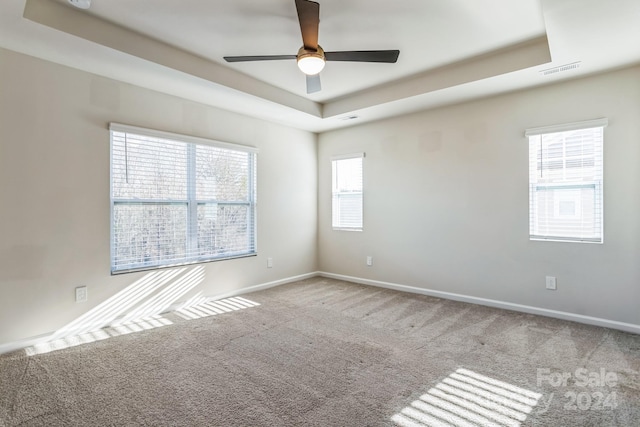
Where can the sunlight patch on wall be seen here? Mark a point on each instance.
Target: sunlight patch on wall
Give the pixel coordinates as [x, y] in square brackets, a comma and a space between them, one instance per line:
[150, 295]
[165, 297]
[468, 399]
[211, 308]
[140, 307]
[136, 308]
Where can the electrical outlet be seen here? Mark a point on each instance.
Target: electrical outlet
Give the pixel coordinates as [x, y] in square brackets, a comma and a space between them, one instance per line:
[551, 283]
[269, 262]
[369, 261]
[81, 294]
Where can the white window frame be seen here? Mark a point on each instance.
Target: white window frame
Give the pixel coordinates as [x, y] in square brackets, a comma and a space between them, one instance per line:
[337, 194]
[191, 202]
[536, 135]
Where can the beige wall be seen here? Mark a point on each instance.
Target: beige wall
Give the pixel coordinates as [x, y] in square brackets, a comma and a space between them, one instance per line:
[54, 194]
[446, 201]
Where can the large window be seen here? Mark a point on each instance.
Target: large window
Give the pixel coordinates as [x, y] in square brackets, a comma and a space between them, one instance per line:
[565, 182]
[346, 172]
[177, 199]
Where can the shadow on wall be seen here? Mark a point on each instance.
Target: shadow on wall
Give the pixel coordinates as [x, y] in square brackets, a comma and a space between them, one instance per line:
[140, 306]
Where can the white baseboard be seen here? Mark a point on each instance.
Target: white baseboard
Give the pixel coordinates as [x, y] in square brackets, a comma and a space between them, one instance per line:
[263, 286]
[627, 327]
[596, 321]
[24, 343]
[31, 341]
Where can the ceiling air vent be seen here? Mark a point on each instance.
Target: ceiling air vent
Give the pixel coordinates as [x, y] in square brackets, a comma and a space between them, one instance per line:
[561, 68]
[353, 117]
[82, 4]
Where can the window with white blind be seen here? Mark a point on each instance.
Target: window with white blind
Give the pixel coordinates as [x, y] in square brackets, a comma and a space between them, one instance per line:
[177, 199]
[346, 172]
[566, 182]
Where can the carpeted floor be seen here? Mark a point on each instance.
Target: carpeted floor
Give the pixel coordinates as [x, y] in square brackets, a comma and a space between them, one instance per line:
[322, 352]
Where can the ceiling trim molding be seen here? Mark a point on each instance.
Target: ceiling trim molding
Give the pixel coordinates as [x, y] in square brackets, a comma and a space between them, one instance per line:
[80, 24]
[54, 31]
[530, 53]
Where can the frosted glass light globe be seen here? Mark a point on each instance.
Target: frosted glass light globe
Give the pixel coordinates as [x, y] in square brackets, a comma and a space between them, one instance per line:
[311, 65]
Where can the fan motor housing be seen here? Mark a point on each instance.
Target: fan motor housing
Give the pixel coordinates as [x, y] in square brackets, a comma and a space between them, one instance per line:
[306, 53]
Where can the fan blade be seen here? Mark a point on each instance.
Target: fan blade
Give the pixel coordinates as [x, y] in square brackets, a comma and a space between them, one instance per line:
[313, 84]
[309, 17]
[258, 58]
[389, 56]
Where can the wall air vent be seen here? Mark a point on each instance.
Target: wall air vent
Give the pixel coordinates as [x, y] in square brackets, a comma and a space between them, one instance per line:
[560, 68]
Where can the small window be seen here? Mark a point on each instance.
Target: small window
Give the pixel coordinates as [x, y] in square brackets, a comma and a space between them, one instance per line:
[566, 182]
[347, 192]
[177, 199]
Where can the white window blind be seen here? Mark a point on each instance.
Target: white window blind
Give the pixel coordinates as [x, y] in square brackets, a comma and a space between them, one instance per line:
[347, 192]
[566, 182]
[177, 199]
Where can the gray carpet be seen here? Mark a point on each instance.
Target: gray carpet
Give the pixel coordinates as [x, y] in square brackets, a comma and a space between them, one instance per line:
[323, 352]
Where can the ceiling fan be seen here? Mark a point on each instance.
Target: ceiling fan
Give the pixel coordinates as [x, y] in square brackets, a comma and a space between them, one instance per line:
[311, 57]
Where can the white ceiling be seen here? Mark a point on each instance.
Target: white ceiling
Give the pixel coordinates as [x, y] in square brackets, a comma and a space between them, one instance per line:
[450, 50]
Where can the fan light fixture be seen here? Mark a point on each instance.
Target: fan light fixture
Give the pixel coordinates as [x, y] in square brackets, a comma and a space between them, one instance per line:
[311, 57]
[310, 62]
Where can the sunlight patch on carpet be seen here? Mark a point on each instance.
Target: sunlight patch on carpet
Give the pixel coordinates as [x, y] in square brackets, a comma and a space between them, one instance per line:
[212, 308]
[198, 307]
[468, 399]
[139, 325]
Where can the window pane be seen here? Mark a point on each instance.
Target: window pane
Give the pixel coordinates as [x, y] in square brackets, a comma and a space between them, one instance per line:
[347, 193]
[176, 202]
[224, 230]
[221, 174]
[148, 168]
[347, 175]
[149, 234]
[565, 176]
[567, 212]
[348, 210]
